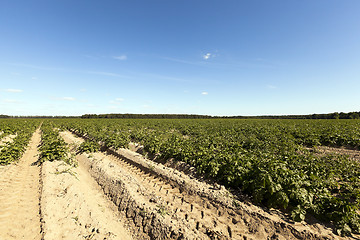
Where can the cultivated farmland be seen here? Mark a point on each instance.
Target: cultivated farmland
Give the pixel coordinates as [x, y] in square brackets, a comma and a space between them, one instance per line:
[179, 179]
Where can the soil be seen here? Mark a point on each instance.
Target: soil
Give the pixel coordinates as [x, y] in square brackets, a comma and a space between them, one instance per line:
[19, 196]
[352, 154]
[196, 209]
[120, 194]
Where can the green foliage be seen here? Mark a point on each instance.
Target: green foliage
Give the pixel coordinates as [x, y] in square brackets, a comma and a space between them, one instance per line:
[89, 147]
[23, 129]
[267, 159]
[53, 146]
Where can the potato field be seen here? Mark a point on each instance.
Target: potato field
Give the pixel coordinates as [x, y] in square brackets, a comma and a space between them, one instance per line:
[197, 178]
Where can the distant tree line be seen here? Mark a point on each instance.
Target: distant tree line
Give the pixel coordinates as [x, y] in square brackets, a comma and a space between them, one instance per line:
[146, 116]
[335, 115]
[39, 116]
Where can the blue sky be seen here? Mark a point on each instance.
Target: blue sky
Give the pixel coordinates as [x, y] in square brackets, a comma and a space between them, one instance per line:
[232, 57]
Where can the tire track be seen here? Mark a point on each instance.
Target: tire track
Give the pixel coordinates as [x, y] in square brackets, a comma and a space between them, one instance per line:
[164, 191]
[19, 196]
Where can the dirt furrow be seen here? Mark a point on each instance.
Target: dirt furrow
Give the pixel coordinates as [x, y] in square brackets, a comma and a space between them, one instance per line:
[19, 196]
[74, 206]
[190, 209]
[196, 209]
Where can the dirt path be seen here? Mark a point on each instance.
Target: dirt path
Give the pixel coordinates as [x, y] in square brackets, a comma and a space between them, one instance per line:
[19, 196]
[74, 206]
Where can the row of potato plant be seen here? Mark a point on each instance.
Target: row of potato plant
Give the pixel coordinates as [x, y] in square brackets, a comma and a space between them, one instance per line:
[53, 147]
[23, 130]
[264, 158]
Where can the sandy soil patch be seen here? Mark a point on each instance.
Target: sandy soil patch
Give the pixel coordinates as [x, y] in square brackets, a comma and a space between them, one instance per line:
[323, 150]
[19, 196]
[74, 206]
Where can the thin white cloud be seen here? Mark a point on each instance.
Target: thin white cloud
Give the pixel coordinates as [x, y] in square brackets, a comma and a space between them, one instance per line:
[117, 101]
[90, 56]
[13, 90]
[204, 93]
[162, 77]
[182, 61]
[105, 74]
[207, 56]
[69, 70]
[83, 89]
[121, 57]
[271, 86]
[11, 101]
[69, 98]
[34, 78]
[37, 67]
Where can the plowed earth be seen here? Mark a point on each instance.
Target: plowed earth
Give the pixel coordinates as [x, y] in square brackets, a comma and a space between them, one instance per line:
[119, 194]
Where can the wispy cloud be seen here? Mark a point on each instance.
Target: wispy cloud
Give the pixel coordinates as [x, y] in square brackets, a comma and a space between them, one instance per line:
[37, 67]
[90, 56]
[111, 74]
[121, 57]
[11, 101]
[271, 86]
[117, 101]
[68, 70]
[204, 93]
[69, 98]
[207, 56]
[162, 77]
[181, 61]
[13, 90]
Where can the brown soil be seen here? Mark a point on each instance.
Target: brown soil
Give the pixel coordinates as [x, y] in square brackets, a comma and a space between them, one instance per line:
[19, 196]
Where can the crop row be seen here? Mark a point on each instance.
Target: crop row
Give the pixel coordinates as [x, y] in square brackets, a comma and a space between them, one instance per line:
[53, 147]
[264, 158]
[23, 129]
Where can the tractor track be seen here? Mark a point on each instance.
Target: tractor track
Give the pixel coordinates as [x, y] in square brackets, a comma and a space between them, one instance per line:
[196, 208]
[120, 194]
[20, 189]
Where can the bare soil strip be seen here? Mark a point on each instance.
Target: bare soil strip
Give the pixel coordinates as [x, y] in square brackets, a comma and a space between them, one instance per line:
[167, 204]
[323, 150]
[19, 196]
[74, 206]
